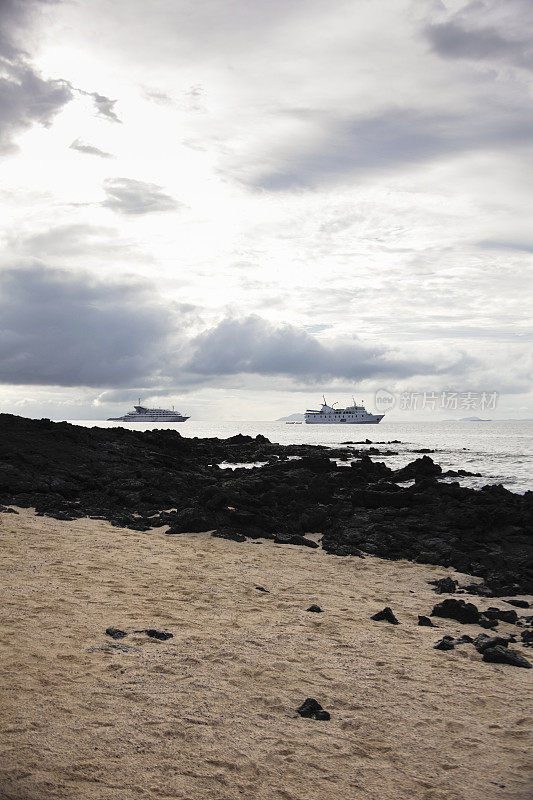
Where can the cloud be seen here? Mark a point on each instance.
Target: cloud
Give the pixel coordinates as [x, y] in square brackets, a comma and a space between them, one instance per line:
[486, 31]
[451, 40]
[68, 329]
[82, 147]
[493, 244]
[105, 106]
[253, 345]
[128, 196]
[396, 137]
[26, 99]
[78, 239]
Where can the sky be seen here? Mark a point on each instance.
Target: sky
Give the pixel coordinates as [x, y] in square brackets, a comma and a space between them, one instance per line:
[235, 207]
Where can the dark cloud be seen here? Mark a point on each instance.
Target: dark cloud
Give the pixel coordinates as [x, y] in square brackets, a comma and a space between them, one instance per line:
[486, 31]
[15, 16]
[25, 97]
[395, 138]
[66, 329]
[89, 149]
[452, 40]
[128, 196]
[253, 345]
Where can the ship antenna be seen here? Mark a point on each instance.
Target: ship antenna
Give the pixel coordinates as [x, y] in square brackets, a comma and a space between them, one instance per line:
[139, 401]
[324, 399]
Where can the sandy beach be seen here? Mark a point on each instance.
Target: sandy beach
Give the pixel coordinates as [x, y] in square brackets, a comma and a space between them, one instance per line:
[210, 713]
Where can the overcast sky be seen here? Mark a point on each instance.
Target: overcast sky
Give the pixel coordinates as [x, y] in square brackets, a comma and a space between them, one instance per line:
[234, 206]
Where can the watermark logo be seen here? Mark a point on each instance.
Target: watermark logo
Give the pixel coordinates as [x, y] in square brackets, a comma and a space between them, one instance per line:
[384, 400]
[436, 401]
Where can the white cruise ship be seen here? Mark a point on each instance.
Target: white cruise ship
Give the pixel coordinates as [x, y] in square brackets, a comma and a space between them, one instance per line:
[352, 415]
[143, 414]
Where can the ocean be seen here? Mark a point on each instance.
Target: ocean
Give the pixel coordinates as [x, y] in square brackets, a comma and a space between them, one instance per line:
[501, 451]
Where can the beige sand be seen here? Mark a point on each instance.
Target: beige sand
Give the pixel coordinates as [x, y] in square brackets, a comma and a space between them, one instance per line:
[210, 713]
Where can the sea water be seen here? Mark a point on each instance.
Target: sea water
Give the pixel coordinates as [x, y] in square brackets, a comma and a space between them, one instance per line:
[501, 451]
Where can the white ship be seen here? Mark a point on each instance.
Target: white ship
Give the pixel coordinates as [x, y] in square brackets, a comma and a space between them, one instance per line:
[352, 415]
[143, 414]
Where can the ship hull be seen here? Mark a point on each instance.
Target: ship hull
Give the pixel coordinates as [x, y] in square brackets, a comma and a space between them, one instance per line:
[148, 418]
[374, 421]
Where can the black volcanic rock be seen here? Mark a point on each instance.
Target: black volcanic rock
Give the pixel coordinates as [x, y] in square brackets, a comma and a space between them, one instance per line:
[425, 622]
[444, 585]
[315, 609]
[527, 638]
[311, 708]
[423, 467]
[229, 533]
[486, 622]
[456, 609]
[502, 655]
[295, 538]
[385, 615]
[509, 616]
[446, 643]
[483, 642]
[449, 643]
[146, 479]
[153, 634]
[191, 520]
[518, 603]
[115, 633]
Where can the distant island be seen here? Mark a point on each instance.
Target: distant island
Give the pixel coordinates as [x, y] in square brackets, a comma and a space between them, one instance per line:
[292, 418]
[473, 419]
[480, 419]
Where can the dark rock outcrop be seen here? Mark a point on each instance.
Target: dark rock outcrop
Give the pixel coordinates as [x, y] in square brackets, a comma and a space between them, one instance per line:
[229, 533]
[449, 643]
[444, 585]
[425, 622]
[502, 655]
[483, 642]
[147, 479]
[115, 633]
[162, 636]
[446, 643]
[456, 609]
[386, 615]
[518, 603]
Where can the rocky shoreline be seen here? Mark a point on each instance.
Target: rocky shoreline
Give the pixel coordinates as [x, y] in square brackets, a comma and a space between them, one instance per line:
[144, 480]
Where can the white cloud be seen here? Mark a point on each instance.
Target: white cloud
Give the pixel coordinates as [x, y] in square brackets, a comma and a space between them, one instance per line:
[357, 171]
